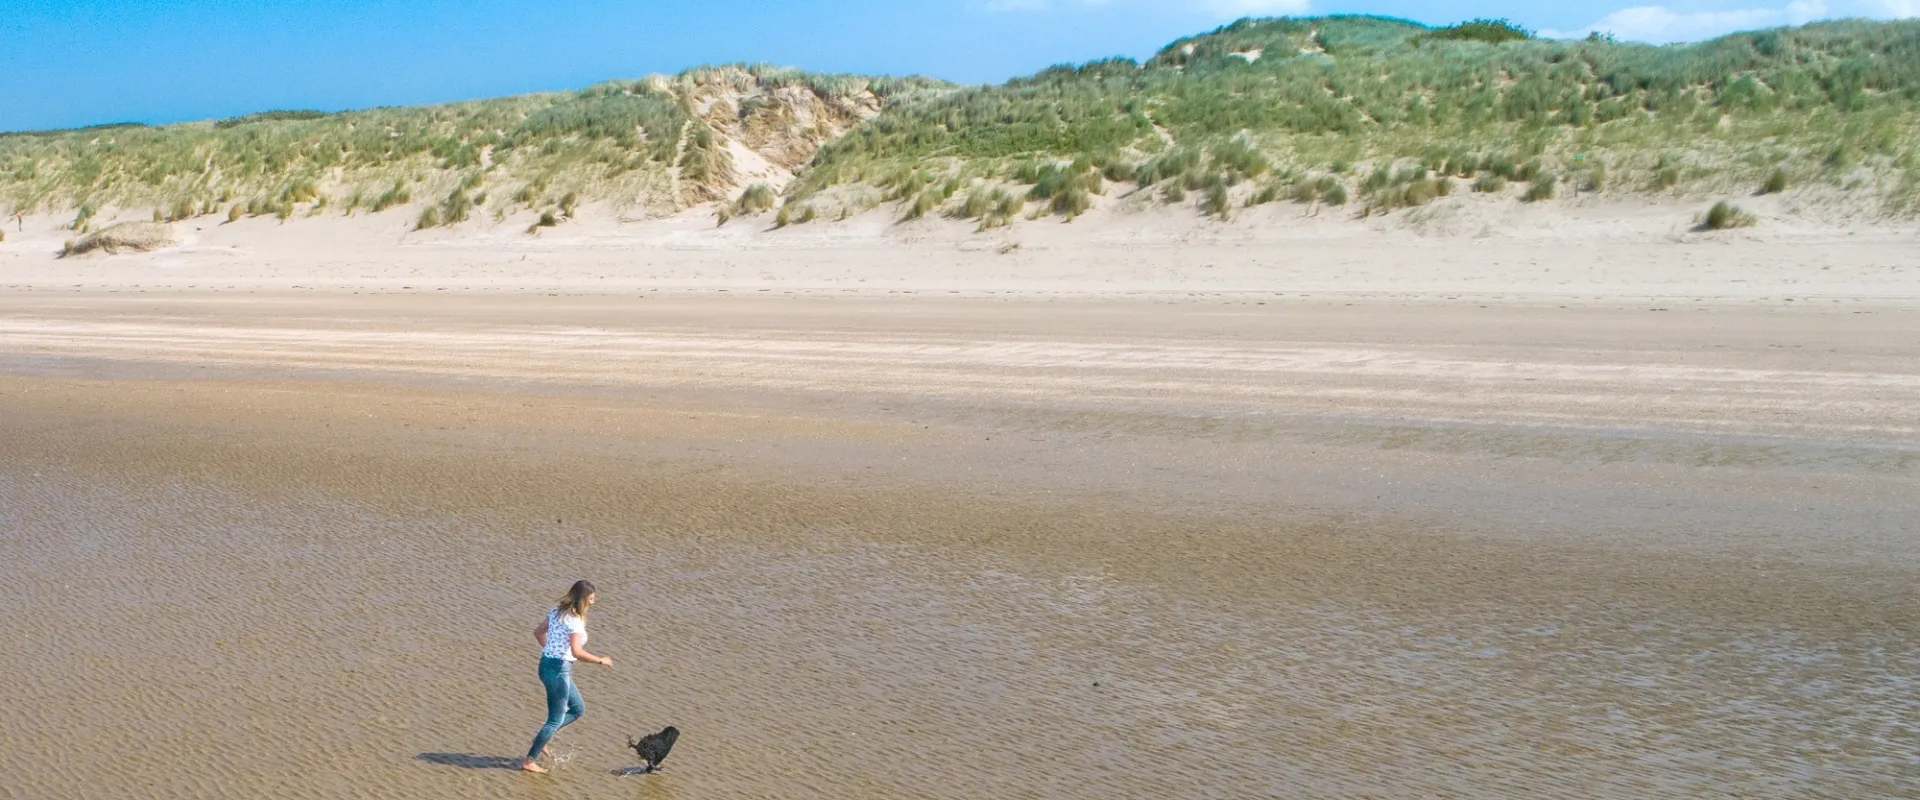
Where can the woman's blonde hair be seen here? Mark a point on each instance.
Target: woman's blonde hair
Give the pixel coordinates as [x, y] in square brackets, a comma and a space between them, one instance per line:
[575, 602]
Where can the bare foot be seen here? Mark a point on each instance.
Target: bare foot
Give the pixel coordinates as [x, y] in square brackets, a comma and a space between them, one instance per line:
[546, 752]
[529, 766]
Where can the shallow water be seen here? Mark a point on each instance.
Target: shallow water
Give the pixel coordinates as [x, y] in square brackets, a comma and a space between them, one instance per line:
[287, 635]
[248, 588]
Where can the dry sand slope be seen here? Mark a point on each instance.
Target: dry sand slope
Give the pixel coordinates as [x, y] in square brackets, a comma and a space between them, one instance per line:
[1579, 252]
[291, 545]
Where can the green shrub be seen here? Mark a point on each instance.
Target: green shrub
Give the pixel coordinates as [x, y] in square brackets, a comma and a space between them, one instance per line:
[757, 199]
[1543, 188]
[1005, 206]
[1725, 215]
[1377, 181]
[429, 218]
[1489, 183]
[272, 116]
[1841, 157]
[569, 204]
[1093, 183]
[1218, 202]
[979, 202]
[234, 213]
[301, 190]
[1412, 195]
[1073, 201]
[1487, 31]
[1420, 193]
[1463, 165]
[1237, 158]
[1776, 182]
[1307, 192]
[456, 207]
[1175, 161]
[924, 204]
[399, 195]
[1053, 180]
[1333, 192]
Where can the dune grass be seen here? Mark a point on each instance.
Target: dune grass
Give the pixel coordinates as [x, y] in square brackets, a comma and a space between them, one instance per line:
[1776, 183]
[757, 199]
[1258, 111]
[1725, 215]
[614, 141]
[1331, 95]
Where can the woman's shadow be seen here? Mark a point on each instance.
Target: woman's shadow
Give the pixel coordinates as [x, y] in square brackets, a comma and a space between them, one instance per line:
[470, 761]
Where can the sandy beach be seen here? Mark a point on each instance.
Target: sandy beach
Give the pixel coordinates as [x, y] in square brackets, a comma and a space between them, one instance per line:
[1514, 517]
[1320, 406]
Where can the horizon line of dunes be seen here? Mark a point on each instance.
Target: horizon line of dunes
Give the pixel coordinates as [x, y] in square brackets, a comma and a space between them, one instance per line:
[1371, 113]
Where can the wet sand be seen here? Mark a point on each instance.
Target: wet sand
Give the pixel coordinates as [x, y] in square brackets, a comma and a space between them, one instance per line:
[293, 545]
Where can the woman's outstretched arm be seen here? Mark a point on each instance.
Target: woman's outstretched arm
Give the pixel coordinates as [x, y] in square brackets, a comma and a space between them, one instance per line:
[582, 654]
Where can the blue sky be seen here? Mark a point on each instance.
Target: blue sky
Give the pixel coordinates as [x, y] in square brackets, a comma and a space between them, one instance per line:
[65, 63]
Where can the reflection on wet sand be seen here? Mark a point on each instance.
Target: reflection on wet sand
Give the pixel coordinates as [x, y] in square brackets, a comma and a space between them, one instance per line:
[252, 585]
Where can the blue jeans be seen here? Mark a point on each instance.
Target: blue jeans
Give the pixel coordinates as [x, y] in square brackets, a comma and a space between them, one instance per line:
[563, 702]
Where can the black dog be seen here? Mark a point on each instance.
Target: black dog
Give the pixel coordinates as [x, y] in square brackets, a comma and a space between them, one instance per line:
[653, 747]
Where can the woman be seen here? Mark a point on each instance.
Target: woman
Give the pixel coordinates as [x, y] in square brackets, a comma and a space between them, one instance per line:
[563, 639]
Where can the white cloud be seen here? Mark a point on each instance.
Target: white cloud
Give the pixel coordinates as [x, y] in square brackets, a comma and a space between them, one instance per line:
[1901, 9]
[1659, 25]
[1226, 9]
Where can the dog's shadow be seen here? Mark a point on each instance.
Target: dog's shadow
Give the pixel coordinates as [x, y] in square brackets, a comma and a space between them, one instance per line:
[470, 761]
[641, 770]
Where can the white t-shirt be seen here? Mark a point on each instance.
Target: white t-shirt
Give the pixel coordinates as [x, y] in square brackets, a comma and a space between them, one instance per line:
[560, 631]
